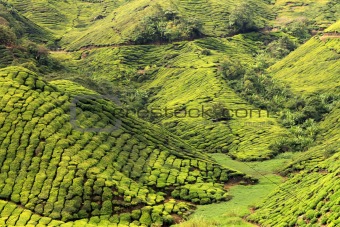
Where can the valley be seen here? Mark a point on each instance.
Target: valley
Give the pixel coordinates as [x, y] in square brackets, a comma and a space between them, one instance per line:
[169, 113]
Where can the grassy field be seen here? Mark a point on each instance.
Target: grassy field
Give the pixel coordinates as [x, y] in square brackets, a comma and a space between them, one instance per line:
[244, 197]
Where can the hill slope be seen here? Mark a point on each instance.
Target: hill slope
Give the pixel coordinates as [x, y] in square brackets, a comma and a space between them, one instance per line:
[308, 74]
[64, 173]
[86, 23]
[179, 77]
[310, 196]
[70, 154]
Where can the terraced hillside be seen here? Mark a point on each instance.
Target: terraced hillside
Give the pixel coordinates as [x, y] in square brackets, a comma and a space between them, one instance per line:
[55, 173]
[319, 14]
[61, 16]
[306, 73]
[100, 23]
[169, 77]
[334, 28]
[84, 23]
[22, 26]
[112, 113]
[311, 195]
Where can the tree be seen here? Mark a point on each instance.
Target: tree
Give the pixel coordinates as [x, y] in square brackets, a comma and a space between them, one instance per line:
[3, 21]
[231, 69]
[242, 17]
[39, 52]
[281, 47]
[7, 36]
[193, 27]
[300, 29]
[166, 26]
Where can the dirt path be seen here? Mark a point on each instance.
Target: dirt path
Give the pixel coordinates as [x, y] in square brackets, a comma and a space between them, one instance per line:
[330, 35]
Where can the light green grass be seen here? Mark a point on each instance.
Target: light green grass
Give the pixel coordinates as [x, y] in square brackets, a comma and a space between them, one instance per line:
[244, 197]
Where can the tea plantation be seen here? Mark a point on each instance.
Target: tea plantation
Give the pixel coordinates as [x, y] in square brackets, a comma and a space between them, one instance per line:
[128, 175]
[169, 113]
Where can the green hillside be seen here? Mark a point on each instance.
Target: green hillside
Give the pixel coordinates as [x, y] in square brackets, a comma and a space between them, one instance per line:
[99, 23]
[310, 196]
[23, 27]
[169, 76]
[307, 74]
[86, 23]
[57, 171]
[334, 27]
[169, 113]
[318, 13]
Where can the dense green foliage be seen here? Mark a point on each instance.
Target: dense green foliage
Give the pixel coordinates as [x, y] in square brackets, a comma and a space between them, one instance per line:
[98, 174]
[300, 202]
[7, 36]
[167, 26]
[243, 17]
[65, 162]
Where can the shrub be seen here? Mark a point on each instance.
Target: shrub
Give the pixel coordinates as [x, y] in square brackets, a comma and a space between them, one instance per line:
[299, 28]
[39, 52]
[281, 47]
[7, 36]
[160, 28]
[206, 52]
[106, 208]
[146, 217]
[3, 21]
[135, 214]
[125, 219]
[242, 17]
[94, 220]
[168, 219]
[231, 69]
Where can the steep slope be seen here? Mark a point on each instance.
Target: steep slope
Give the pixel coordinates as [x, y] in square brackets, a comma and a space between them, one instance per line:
[310, 196]
[334, 28]
[61, 16]
[100, 23]
[22, 26]
[305, 72]
[120, 25]
[65, 169]
[23, 43]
